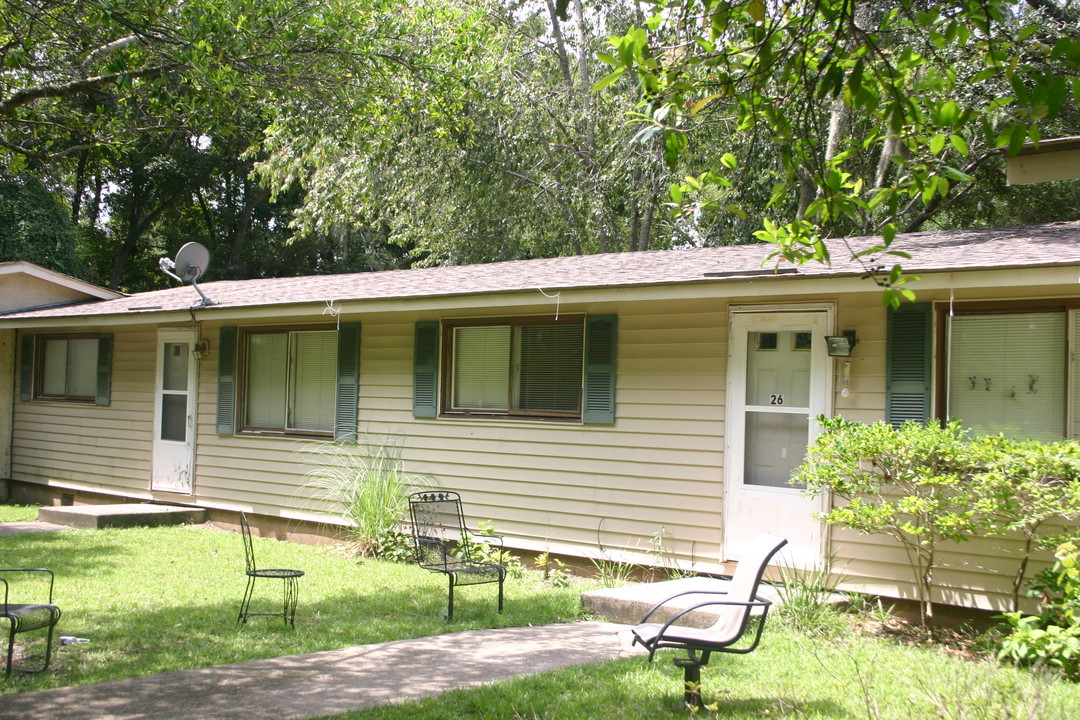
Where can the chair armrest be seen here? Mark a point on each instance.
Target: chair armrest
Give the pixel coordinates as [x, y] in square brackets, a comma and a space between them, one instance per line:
[735, 603]
[52, 579]
[666, 600]
[474, 536]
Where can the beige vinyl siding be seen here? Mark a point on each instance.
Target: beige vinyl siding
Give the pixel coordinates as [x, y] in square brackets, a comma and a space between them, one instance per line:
[543, 483]
[94, 447]
[562, 486]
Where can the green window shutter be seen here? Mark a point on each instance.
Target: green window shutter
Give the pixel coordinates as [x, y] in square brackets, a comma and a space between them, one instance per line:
[104, 369]
[348, 382]
[26, 368]
[908, 363]
[226, 401]
[600, 345]
[426, 370]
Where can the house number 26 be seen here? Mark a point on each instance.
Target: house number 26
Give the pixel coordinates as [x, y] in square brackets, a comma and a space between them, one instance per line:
[776, 399]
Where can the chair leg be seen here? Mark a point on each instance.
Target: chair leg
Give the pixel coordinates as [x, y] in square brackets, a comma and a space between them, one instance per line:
[691, 665]
[500, 596]
[48, 647]
[246, 602]
[291, 591]
[450, 600]
[11, 647]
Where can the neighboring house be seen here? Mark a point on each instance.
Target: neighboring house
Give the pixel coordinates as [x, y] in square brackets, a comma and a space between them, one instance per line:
[578, 402]
[25, 286]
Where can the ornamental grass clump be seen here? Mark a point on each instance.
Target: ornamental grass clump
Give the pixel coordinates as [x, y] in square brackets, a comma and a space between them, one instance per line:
[367, 484]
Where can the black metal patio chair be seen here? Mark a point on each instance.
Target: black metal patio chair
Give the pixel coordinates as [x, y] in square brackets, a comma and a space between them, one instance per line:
[444, 545]
[737, 604]
[24, 617]
[290, 579]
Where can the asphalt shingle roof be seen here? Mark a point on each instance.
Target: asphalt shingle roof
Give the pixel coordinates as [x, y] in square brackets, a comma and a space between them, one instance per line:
[1027, 246]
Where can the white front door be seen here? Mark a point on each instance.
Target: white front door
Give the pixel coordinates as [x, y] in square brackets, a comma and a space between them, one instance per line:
[778, 383]
[174, 413]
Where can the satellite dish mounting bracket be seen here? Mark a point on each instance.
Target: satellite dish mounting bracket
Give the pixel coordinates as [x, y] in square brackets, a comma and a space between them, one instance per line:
[190, 264]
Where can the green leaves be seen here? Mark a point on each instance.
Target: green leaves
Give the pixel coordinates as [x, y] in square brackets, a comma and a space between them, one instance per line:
[914, 101]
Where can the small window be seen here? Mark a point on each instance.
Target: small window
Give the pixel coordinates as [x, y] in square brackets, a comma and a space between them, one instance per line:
[522, 367]
[67, 368]
[290, 381]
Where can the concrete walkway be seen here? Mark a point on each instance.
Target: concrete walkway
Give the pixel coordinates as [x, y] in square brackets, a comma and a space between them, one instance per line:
[333, 681]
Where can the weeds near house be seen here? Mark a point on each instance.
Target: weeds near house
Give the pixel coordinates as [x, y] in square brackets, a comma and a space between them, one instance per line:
[807, 600]
[368, 485]
[553, 570]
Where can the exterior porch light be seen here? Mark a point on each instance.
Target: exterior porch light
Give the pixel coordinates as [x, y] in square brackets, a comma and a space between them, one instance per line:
[841, 345]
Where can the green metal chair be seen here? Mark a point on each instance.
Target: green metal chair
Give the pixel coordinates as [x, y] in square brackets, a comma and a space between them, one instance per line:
[290, 579]
[444, 545]
[25, 617]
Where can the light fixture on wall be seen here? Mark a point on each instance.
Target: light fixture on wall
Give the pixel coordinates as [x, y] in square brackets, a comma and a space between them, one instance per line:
[202, 347]
[841, 345]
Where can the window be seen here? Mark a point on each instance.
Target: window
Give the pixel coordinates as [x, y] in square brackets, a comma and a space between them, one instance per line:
[69, 368]
[998, 367]
[517, 367]
[297, 381]
[1007, 374]
[289, 381]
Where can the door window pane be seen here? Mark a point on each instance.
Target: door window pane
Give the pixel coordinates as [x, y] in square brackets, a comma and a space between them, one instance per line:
[175, 371]
[777, 369]
[775, 446]
[174, 417]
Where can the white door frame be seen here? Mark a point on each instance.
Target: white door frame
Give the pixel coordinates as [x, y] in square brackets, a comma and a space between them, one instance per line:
[173, 459]
[770, 504]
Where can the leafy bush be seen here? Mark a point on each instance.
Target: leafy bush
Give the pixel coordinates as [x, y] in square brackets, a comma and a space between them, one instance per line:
[925, 484]
[1051, 638]
[368, 485]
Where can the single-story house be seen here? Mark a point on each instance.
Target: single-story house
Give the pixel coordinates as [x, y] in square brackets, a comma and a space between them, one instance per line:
[578, 403]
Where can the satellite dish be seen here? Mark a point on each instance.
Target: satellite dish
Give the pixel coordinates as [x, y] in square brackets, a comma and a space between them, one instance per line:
[192, 261]
[190, 264]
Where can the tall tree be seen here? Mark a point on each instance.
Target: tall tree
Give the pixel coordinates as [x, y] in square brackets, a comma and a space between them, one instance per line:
[880, 116]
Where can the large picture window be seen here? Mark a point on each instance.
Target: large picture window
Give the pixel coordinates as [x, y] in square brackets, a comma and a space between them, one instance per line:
[523, 367]
[68, 368]
[290, 381]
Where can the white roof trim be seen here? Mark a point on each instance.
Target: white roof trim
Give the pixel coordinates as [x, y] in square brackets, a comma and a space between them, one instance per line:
[22, 267]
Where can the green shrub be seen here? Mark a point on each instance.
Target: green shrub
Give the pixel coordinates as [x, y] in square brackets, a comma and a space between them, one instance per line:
[1051, 638]
[926, 484]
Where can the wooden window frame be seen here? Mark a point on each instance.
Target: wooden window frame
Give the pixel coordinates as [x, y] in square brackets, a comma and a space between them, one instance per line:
[991, 307]
[39, 342]
[446, 361]
[244, 336]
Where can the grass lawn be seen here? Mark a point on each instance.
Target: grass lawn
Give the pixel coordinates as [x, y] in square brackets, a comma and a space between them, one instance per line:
[157, 599]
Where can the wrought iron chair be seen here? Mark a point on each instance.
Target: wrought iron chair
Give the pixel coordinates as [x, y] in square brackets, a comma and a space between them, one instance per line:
[739, 602]
[290, 578]
[24, 617]
[444, 545]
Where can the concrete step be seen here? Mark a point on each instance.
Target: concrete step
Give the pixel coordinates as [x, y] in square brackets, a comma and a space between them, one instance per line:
[120, 516]
[628, 604]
